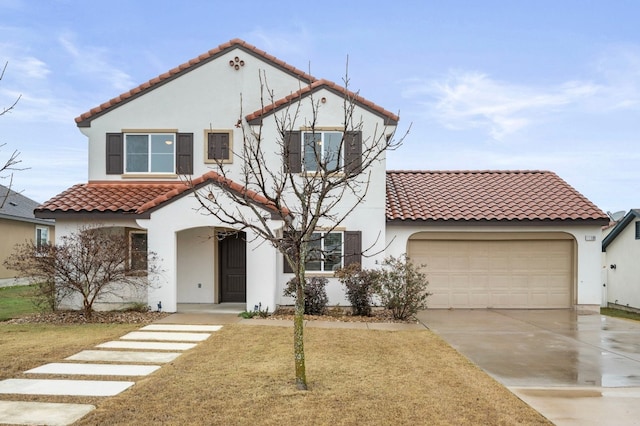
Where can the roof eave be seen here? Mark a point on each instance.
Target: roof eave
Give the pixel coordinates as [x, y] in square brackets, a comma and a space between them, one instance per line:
[497, 222]
[84, 214]
[627, 219]
[388, 121]
[160, 80]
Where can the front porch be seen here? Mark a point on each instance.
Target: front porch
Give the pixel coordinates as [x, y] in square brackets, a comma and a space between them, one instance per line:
[211, 308]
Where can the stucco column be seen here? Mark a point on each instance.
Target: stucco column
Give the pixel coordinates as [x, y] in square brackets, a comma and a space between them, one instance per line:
[163, 289]
[261, 273]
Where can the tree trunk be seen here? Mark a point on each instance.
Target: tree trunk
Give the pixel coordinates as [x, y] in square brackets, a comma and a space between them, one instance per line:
[298, 334]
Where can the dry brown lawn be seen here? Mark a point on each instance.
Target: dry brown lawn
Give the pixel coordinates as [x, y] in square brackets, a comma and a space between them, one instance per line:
[243, 374]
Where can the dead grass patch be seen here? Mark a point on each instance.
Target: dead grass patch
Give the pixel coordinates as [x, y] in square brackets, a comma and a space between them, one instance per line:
[244, 375]
[26, 346]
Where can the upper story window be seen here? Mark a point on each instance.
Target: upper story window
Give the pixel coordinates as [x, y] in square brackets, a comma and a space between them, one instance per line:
[307, 151]
[638, 230]
[321, 148]
[218, 146]
[150, 153]
[162, 152]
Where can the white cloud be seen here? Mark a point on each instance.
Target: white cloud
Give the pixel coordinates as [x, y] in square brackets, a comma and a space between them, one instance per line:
[93, 63]
[464, 100]
[295, 43]
[30, 67]
[619, 68]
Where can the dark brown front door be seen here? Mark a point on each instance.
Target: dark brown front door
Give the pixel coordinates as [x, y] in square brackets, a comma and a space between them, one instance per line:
[233, 268]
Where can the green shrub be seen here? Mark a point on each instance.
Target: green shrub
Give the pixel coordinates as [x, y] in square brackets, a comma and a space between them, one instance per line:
[136, 307]
[360, 285]
[402, 288]
[315, 294]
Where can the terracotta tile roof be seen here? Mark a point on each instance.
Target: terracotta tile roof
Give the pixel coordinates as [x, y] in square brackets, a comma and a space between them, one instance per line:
[480, 196]
[254, 118]
[84, 119]
[136, 198]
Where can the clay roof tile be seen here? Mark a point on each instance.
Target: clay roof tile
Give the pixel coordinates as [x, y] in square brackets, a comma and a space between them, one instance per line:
[485, 195]
[134, 197]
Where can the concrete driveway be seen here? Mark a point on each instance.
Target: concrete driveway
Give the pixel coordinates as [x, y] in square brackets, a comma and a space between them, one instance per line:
[575, 368]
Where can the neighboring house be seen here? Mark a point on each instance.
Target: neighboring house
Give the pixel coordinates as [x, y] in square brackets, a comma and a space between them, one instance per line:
[143, 142]
[621, 268]
[19, 225]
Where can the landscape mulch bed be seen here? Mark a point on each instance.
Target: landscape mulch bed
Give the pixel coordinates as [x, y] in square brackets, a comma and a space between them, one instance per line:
[341, 315]
[78, 317]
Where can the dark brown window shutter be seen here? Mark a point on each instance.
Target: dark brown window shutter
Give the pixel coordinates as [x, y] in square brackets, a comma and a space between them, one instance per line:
[353, 152]
[115, 154]
[352, 247]
[218, 146]
[184, 154]
[293, 152]
[286, 268]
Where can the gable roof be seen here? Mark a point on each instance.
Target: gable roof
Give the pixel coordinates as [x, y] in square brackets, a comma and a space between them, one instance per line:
[18, 207]
[138, 199]
[486, 197]
[257, 116]
[619, 227]
[84, 120]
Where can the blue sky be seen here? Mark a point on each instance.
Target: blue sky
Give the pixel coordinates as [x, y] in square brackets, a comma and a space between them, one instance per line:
[551, 85]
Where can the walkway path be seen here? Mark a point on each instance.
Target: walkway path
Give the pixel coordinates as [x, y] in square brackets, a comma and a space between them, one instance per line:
[136, 354]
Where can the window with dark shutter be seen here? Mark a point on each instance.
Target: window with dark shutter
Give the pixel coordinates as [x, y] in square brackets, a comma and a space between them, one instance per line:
[184, 154]
[293, 160]
[218, 148]
[637, 230]
[114, 155]
[353, 153]
[352, 247]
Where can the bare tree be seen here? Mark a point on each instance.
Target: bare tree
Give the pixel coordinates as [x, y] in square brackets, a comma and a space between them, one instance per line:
[93, 263]
[323, 195]
[10, 165]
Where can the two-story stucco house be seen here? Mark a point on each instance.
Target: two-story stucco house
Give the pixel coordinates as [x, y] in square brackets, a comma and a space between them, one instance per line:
[489, 239]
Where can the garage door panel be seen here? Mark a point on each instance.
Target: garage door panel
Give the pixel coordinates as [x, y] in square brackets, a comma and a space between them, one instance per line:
[496, 273]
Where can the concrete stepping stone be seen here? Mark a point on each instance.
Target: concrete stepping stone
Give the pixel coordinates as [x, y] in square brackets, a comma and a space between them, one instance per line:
[163, 346]
[63, 387]
[164, 335]
[124, 356]
[94, 369]
[42, 413]
[180, 327]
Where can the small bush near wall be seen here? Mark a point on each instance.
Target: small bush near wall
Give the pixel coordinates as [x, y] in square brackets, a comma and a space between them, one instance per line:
[315, 295]
[360, 285]
[401, 287]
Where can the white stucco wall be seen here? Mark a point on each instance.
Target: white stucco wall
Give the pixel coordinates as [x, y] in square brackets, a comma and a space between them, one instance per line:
[623, 282]
[588, 242]
[118, 296]
[214, 96]
[196, 265]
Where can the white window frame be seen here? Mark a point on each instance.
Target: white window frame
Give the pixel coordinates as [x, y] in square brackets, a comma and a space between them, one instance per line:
[39, 240]
[322, 133]
[149, 135]
[320, 236]
[131, 249]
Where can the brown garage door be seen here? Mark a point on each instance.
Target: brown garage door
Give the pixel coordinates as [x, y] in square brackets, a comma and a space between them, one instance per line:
[497, 273]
